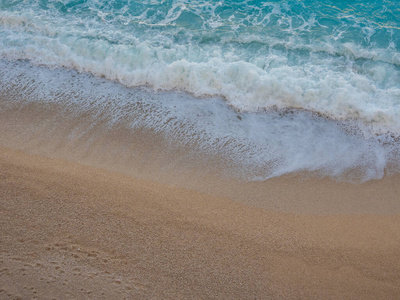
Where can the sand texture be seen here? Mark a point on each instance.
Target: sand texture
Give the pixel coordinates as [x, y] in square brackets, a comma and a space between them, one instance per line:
[70, 231]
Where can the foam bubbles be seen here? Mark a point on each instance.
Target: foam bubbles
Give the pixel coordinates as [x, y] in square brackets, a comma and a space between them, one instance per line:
[251, 67]
[254, 60]
[257, 146]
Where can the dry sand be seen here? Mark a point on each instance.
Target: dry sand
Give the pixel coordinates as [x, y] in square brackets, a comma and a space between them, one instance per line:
[70, 231]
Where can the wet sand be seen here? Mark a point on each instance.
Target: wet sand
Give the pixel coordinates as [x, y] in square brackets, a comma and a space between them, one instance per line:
[89, 211]
[70, 231]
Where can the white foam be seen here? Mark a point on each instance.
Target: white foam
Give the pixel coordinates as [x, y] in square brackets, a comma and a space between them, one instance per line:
[246, 67]
[257, 146]
[335, 85]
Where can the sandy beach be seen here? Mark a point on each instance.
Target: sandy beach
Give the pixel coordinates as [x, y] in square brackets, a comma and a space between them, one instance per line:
[199, 149]
[70, 231]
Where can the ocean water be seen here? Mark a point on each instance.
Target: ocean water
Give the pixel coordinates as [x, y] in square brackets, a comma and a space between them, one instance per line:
[275, 87]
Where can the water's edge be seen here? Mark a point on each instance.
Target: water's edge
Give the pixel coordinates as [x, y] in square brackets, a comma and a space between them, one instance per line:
[197, 143]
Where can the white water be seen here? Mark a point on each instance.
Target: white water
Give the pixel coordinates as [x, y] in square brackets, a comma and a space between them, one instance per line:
[253, 69]
[257, 146]
[272, 87]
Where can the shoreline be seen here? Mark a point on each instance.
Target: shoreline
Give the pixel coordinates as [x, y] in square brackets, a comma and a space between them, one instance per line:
[70, 230]
[210, 150]
[98, 209]
[53, 131]
[62, 110]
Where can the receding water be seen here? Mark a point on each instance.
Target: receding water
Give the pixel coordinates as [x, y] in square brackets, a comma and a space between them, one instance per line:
[274, 87]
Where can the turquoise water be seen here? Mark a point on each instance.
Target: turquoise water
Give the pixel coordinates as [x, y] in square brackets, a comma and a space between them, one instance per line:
[338, 59]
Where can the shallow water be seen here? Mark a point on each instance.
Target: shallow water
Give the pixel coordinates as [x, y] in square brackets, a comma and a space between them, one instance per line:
[269, 88]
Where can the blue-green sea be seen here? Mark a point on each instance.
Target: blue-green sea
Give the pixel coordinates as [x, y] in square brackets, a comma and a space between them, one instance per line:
[275, 86]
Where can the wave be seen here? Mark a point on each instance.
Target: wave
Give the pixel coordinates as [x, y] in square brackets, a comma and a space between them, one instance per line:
[253, 146]
[274, 87]
[252, 67]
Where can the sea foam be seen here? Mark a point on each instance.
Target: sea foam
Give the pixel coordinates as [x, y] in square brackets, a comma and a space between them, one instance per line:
[257, 146]
[259, 57]
[275, 87]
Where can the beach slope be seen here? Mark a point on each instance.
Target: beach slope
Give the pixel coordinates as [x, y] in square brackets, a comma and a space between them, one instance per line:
[72, 231]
